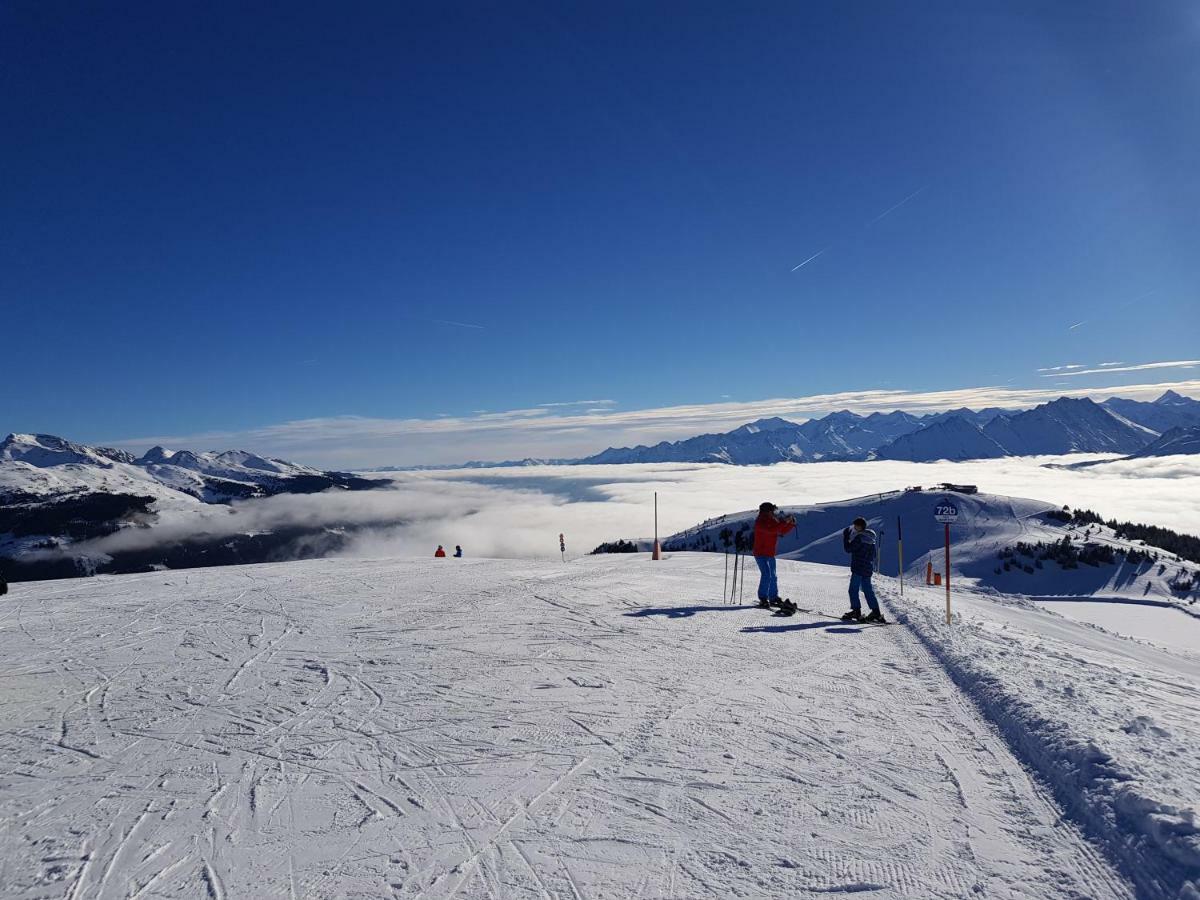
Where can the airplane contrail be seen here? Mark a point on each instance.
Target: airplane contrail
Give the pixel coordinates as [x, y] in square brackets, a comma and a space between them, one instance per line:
[892, 209]
[810, 259]
[456, 324]
[1077, 324]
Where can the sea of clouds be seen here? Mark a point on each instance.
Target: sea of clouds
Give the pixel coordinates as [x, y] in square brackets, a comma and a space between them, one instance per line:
[519, 512]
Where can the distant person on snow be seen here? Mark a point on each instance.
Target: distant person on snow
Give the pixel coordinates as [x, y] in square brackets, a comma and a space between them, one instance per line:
[440, 553]
[767, 529]
[860, 542]
[457, 552]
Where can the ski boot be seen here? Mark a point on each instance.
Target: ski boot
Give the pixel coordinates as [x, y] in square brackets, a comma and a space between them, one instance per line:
[764, 604]
[875, 616]
[854, 615]
[776, 602]
[786, 608]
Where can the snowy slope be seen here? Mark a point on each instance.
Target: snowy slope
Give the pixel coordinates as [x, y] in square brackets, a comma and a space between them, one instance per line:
[603, 728]
[1111, 724]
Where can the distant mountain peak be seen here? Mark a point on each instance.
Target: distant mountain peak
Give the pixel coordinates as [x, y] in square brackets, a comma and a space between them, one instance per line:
[157, 454]
[1171, 398]
[772, 423]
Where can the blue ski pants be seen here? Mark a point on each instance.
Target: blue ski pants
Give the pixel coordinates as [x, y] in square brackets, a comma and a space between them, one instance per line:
[862, 581]
[768, 584]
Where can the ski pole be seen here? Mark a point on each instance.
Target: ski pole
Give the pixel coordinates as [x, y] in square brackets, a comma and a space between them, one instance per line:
[725, 588]
[742, 590]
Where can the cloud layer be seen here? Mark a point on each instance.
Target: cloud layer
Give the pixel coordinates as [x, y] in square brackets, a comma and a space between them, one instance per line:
[520, 512]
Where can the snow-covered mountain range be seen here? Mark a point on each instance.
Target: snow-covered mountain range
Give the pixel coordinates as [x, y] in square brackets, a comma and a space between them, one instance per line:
[1065, 425]
[55, 492]
[43, 466]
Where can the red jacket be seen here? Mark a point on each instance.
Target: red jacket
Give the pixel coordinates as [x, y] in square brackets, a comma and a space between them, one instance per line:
[767, 530]
[439, 552]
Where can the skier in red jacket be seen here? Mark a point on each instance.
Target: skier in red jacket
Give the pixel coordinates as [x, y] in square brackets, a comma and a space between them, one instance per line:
[767, 529]
[440, 552]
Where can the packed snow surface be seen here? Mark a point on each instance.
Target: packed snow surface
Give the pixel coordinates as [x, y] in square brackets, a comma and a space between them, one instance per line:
[607, 727]
[1167, 625]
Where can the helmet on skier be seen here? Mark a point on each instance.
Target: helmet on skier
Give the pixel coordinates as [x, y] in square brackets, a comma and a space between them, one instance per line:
[767, 507]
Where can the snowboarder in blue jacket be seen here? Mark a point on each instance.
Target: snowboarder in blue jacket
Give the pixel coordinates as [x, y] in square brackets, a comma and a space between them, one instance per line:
[860, 542]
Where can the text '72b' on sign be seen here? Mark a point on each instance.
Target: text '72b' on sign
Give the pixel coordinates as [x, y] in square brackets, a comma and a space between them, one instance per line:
[945, 511]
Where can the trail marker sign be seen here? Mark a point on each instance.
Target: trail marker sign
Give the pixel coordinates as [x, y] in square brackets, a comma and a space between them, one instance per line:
[945, 511]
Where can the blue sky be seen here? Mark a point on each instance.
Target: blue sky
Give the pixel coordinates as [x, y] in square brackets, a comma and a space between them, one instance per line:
[224, 220]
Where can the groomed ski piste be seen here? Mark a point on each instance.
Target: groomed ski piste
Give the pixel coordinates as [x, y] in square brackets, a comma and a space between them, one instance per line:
[603, 727]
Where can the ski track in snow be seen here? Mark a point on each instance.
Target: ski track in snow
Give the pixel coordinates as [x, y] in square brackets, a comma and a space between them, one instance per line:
[481, 728]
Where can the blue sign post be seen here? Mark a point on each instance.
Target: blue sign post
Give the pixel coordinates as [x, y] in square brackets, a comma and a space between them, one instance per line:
[946, 512]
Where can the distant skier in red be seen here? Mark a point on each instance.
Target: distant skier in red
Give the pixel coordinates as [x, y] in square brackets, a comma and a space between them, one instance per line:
[440, 553]
[768, 527]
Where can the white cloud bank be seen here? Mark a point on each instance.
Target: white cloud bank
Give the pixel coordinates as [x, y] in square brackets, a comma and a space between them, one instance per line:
[349, 442]
[520, 512]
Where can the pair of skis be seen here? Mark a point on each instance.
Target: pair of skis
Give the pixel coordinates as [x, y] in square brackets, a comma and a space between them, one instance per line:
[788, 608]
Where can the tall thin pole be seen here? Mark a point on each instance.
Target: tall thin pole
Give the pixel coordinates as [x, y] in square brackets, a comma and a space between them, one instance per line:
[657, 554]
[947, 573]
[900, 551]
[742, 589]
[725, 587]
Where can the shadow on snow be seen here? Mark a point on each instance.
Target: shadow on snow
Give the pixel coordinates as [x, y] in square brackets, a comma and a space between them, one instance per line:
[682, 612]
[831, 627]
